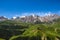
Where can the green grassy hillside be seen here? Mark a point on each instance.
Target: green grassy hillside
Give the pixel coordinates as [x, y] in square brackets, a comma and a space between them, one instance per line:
[16, 30]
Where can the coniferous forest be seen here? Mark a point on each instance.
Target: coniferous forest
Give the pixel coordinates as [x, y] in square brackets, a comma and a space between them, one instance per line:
[17, 30]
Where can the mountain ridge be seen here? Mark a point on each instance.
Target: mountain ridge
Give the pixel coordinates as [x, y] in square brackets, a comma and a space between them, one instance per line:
[33, 18]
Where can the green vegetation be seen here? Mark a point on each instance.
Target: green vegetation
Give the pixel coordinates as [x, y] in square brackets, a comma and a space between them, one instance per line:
[2, 39]
[16, 30]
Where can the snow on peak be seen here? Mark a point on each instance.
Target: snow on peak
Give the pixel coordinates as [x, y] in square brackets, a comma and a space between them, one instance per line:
[14, 17]
[48, 14]
[22, 16]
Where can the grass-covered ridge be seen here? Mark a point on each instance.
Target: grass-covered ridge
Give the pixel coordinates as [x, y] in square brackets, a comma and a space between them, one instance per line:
[16, 30]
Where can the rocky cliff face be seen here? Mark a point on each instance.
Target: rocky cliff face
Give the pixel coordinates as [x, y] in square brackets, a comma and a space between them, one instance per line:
[2, 18]
[34, 18]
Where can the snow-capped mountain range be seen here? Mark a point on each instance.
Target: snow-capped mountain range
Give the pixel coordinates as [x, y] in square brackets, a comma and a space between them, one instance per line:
[33, 18]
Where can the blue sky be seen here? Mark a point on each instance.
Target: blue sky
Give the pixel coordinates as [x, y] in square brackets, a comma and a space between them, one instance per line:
[10, 8]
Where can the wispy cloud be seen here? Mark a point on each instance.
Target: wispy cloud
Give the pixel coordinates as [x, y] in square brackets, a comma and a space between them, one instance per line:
[36, 13]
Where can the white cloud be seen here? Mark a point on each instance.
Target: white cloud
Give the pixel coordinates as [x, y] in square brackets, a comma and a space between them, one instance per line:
[26, 14]
[36, 13]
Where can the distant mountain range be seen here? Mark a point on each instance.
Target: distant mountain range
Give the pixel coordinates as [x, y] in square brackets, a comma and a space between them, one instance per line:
[33, 18]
